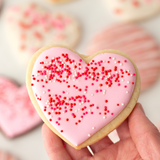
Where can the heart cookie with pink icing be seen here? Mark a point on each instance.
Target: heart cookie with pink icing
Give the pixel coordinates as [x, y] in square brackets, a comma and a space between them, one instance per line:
[82, 98]
[17, 114]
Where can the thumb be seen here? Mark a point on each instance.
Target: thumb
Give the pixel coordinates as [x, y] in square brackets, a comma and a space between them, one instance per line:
[144, 134]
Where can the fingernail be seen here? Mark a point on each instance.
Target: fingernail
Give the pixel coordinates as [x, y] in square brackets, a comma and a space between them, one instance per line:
[140, 106]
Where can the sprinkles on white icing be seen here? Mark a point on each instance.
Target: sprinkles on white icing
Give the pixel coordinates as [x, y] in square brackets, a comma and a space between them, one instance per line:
[29, 24]
[133, 10]
[86, 107]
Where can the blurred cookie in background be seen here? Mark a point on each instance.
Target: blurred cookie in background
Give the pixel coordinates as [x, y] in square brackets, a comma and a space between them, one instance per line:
[30, 27]
[59, 1]
[6, 156]
[134, 41]
[133, 10]
[17, 114]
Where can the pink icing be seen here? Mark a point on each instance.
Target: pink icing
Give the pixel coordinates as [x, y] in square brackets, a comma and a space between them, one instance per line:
[17, 114]
[98, 97]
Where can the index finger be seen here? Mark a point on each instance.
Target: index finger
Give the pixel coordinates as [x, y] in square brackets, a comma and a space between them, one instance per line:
[54, 145]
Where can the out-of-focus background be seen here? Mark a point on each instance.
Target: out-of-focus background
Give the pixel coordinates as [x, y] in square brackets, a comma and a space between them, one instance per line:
[93, 16]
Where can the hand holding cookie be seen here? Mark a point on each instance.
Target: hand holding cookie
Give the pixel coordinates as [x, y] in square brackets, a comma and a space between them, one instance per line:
[130, 146]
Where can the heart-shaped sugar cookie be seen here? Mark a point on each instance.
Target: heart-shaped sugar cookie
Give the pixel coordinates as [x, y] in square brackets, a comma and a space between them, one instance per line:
[133, 10]
[82, 98]
[30, 24]
[59, 1]
[17, 114]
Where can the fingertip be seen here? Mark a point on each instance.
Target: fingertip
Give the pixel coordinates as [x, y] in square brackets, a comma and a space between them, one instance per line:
[46, 132]
[139, 106]
[44, 128]
[47, 136]
[53, 145]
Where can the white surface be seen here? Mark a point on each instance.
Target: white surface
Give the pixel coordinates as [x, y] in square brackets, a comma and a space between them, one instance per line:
[93, 16]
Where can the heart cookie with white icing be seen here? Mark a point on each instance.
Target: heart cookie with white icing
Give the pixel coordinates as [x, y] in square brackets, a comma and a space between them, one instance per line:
[30, 24]
[133, 10]
[82, 98]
